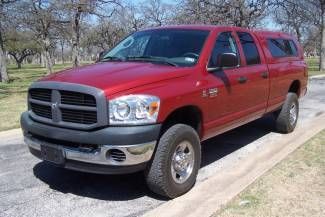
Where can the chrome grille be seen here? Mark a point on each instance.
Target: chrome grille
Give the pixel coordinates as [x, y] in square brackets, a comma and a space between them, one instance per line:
[63, 107]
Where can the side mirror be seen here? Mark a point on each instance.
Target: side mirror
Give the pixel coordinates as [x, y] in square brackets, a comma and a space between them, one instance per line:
[225, 60]
[228, 60]
[101, 55]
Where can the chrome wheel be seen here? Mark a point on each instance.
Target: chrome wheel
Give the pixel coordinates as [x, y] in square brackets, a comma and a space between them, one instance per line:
[293, 114]
[182, 162]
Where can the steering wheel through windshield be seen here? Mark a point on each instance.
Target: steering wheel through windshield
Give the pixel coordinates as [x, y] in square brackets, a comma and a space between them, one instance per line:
[191, 54]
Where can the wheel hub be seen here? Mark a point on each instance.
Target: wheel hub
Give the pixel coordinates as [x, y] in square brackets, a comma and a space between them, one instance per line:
[182, 162]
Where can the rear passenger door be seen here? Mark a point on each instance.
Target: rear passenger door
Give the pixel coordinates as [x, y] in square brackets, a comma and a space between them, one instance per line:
[253, 79]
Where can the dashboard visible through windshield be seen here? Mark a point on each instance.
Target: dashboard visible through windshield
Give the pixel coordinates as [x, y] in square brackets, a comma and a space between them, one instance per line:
[175, 47]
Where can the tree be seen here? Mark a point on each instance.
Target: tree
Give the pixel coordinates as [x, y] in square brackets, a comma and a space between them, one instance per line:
[104, 35]
[21, 45]
[3, 18]
[313, 13]
[3, 65]
[42, 17]
[320, 5]
[130, 18]
[77, 9]
[244, 13]
[291, 16]
[156, 13]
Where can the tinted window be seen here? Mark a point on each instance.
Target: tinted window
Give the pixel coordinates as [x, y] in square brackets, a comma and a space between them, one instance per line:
[225, 43]
[293, 48]
[179, 46]
[250, 50]
[282, 47]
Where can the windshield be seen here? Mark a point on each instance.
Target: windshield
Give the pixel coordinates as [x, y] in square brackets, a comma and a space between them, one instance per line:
[177, 47]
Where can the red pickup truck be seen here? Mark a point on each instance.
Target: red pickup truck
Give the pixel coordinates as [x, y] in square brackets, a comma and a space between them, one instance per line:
[152, 99]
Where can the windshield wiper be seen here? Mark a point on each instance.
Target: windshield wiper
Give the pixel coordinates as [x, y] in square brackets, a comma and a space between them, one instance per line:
[151, 59]
[108, 58]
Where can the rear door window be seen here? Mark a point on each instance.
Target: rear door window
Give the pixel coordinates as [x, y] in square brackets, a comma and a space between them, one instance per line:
[250, 49]
[293, 48]
[282, 47]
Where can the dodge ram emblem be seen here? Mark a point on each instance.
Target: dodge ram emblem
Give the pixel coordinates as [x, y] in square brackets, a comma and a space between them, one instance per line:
[54, 106]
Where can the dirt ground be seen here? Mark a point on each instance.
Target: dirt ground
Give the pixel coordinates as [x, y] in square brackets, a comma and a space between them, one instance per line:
[295, 187]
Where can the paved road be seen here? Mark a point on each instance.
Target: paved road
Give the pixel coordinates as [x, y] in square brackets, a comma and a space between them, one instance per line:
[29, 187]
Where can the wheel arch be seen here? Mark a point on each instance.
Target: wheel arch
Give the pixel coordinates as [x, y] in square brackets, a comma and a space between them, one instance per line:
[295, 87]
[188, 114]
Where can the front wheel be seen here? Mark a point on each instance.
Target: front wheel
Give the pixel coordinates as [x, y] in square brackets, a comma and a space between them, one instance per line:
[176, 162]
[287, 116]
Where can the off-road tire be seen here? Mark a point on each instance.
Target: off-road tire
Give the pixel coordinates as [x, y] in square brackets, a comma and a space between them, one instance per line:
[282, 116]
[158, 175]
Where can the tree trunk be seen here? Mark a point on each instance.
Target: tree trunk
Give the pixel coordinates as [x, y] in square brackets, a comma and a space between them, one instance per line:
[322, 53]
[76, 38]
[322, 50]
[3, 65]
[39, 56]
[298, 33]
[75, 54]
[47, 55]
[62, 52]
[48, 62]
[19, 65]
[42, 59]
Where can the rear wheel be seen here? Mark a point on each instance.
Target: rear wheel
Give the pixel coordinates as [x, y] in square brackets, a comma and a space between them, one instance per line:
[176, 162]
[287, 116]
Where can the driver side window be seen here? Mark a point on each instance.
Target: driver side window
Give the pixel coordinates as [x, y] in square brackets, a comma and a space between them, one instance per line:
[225, 43]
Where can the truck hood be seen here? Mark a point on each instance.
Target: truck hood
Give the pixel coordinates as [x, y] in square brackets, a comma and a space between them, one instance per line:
[113, 77]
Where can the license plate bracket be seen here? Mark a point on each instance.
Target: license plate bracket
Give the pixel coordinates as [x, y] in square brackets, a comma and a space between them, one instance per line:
[52, 154]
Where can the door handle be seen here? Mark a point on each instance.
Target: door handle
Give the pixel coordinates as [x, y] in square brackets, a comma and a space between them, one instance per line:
[242, 79]
[264, 75]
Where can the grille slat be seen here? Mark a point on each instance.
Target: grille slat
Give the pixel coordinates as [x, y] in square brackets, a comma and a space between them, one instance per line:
[81, 117]
[41, 94]
[116, 155]
[41, 110]
[75, 98]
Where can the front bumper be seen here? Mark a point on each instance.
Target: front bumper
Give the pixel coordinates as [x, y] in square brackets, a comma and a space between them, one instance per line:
[114, 149]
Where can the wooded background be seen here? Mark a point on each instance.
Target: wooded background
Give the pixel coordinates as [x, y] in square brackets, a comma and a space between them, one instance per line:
[51, 31]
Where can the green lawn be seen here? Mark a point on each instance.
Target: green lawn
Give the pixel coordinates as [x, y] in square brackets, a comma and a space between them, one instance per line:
[13, 94]
[294, 187]
[313, 66]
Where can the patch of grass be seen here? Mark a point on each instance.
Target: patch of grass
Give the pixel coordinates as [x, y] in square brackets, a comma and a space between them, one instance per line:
[10, 109]
[13, 94]
[295, 187]
[20, 79]
[313, 66]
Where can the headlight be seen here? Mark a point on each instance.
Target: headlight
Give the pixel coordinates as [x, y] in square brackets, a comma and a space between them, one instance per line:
[134, 109]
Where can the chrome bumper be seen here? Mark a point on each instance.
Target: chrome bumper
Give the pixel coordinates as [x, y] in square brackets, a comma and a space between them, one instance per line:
[134, 154]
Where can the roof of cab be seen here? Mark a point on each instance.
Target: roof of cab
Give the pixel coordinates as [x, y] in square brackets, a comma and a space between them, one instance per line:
[195, 27]
[260, 33]
[273, 34]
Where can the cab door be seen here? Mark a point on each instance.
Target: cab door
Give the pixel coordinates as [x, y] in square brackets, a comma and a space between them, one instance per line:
[253, 79]
[220, 90]
[242, 90]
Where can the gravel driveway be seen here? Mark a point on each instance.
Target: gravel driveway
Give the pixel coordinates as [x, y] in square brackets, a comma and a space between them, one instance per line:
[29, 187]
